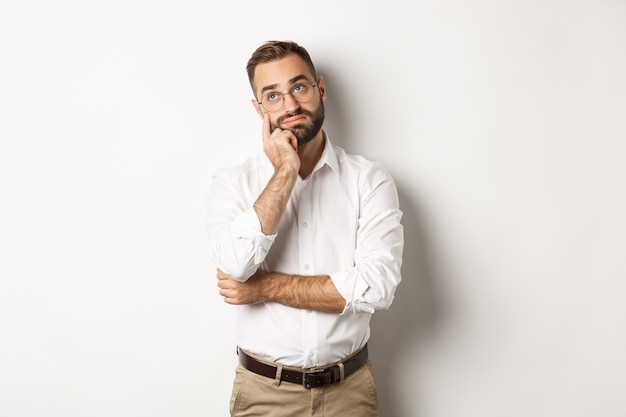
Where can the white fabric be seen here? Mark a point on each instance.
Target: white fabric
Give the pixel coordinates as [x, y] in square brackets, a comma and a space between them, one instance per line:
[343, 221]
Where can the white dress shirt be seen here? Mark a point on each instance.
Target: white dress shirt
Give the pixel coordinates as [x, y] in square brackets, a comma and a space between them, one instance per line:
[343, 220]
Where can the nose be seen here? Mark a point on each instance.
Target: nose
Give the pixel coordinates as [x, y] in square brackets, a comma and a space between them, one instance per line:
[289, 102]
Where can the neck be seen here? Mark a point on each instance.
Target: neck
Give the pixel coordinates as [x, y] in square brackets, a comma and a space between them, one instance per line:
[310, 153]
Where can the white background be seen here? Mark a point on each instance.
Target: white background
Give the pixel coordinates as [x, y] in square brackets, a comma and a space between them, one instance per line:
[503, 123]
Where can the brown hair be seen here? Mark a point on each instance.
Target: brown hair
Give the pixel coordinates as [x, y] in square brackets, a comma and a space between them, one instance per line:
[274, 50]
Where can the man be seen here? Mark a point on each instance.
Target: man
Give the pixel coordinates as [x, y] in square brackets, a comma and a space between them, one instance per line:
[308, 244]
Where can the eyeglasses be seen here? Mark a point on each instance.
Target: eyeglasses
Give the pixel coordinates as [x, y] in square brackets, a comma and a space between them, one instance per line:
[273, 100]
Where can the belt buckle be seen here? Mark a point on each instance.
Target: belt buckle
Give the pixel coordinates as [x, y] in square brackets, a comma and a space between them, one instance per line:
[313, 379]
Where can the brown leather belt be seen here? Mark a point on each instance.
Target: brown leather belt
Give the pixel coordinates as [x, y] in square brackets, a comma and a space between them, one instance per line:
[317, 377]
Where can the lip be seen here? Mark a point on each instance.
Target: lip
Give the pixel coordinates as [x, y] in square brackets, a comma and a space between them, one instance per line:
[294, 120]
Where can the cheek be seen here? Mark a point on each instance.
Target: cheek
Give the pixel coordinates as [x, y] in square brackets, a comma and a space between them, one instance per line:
[273, 125]
[275, 122]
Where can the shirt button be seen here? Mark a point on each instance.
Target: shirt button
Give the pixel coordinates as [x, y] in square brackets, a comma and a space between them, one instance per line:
[306, 267]
[305, 224]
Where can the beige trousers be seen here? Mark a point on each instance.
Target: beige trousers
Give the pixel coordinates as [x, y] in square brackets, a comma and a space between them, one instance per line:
[258, 396]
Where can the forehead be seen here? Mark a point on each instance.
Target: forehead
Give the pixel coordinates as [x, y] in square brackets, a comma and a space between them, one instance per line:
[278, 73]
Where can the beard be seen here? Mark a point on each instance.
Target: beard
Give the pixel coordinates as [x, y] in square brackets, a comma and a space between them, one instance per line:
[304, 132]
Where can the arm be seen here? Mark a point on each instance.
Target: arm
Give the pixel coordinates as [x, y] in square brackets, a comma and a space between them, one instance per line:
[241, 233]
[280, 146]
[305, 292]
[368, 286]
[371, 283]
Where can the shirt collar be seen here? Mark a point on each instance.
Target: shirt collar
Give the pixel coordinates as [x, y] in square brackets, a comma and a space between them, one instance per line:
[329, 157]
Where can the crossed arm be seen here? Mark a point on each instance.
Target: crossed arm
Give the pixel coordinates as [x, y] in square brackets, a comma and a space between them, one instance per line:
[310, 292]
[305, 292]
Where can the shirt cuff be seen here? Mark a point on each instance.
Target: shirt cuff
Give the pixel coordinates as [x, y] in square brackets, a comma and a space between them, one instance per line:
[247, 227]
[352, 290]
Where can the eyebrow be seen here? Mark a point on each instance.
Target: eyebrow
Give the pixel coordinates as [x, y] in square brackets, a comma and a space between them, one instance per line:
[291, 81]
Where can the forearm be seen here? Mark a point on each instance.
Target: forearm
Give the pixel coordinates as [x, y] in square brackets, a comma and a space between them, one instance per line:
[316, 293]
[270, 205]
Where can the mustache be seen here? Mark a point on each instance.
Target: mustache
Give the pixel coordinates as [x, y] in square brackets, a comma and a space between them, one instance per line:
[300, 112]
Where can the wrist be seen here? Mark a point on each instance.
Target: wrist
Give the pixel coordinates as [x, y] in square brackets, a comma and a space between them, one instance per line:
[286, 170]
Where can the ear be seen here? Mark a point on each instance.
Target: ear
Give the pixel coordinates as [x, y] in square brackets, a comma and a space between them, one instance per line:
[257, 107]
[321, 87]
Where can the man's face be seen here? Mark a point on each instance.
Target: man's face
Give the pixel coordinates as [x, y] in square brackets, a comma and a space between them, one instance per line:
[303, 119]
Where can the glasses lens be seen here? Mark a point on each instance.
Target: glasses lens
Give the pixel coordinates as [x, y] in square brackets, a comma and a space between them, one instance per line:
[273, 101]
[302, 93]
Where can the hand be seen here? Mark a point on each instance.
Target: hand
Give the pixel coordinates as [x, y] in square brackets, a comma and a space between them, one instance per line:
[237, 292]
[280, 146]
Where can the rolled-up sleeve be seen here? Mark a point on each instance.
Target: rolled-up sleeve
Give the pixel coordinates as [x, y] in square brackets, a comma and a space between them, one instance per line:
[371, 283]
[236, 243]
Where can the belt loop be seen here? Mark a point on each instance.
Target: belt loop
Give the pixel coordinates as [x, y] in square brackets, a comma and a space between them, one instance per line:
[279, 373]
[341, 372]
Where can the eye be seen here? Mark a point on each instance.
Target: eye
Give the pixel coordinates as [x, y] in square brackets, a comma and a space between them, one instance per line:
[299, 88]
[273, 96]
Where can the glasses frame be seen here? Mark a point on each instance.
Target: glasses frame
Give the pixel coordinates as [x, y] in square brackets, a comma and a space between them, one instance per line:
[282, 96]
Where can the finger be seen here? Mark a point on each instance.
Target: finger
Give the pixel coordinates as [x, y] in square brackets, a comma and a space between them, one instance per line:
[287, 136]
[267, 130]
[231, 301]
[230, 297]
[293, 141]
[226, 283]
[226, 293]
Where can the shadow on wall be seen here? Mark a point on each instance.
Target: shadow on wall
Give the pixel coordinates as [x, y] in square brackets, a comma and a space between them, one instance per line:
[400, 331]
[337, 121]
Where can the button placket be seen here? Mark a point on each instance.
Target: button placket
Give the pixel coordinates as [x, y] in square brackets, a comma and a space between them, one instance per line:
[306, 265]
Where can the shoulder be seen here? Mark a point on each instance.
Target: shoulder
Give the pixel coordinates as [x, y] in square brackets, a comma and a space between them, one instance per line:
[364, 168]
[245, 179]
[371, 180]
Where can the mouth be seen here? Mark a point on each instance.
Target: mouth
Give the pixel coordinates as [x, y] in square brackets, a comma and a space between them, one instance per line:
[295, 120]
